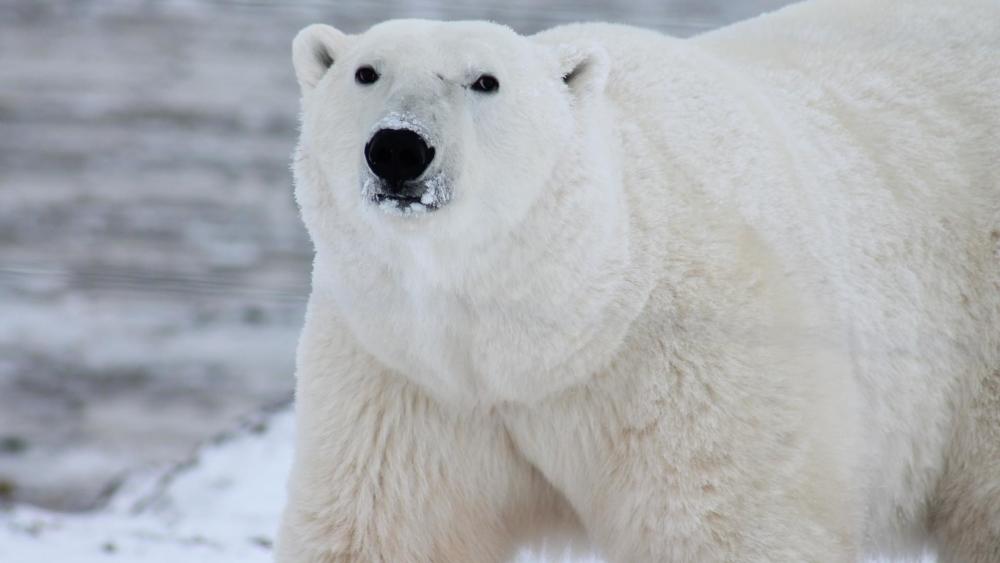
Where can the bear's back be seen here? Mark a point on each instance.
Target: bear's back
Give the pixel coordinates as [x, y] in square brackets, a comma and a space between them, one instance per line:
[861, 139]
[889, 111]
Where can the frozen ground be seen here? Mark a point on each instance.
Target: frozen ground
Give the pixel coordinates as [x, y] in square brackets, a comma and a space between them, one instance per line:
[220, 507]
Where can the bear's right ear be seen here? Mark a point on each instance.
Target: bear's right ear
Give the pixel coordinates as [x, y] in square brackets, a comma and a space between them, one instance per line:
[314, 51]
[584, 68]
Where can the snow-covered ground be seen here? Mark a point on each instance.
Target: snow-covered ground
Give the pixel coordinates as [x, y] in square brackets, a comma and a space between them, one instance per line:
[220, 507]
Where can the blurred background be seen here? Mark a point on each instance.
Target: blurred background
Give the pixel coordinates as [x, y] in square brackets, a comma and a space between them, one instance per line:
[153, 269]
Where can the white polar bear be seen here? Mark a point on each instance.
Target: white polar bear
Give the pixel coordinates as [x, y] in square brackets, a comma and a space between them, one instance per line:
[732, 298]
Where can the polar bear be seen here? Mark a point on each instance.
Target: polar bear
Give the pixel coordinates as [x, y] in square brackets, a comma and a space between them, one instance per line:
[729, 298]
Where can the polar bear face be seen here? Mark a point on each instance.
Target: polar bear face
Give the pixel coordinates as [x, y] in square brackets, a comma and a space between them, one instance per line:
[439, 165]
[429, 129]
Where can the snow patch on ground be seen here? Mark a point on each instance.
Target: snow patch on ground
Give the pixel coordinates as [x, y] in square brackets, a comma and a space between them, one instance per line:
[221, 507]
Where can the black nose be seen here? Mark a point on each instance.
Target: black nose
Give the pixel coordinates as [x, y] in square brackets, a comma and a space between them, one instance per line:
[398, 155]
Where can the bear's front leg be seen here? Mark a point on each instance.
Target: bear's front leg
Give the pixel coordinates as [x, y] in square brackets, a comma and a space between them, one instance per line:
[383, 473]
[703, 460]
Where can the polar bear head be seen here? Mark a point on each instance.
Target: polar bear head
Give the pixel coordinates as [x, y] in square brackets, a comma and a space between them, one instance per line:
[430, 130]
[463, 189]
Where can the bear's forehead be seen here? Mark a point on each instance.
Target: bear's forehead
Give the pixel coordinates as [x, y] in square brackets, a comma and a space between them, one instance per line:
[471, 28]
[422, 37]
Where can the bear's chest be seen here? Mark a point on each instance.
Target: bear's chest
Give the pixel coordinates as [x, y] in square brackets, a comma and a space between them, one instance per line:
[479, 352]
[422, 334]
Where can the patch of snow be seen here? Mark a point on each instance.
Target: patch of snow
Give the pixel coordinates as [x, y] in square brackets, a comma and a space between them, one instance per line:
[368, 187]
[404, 120]
[438, 191]
[222, 506]
[394, 207]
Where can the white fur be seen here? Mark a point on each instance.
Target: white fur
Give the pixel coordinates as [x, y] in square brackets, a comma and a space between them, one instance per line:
[733, 298]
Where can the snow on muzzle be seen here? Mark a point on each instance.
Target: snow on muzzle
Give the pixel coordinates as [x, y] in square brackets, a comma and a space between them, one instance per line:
[401, 179]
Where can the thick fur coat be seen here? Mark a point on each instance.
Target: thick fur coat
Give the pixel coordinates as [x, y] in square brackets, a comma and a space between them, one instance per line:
[731, 298]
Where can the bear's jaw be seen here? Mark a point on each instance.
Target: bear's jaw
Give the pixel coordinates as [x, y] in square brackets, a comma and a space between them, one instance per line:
[418, 198]
[401, 205]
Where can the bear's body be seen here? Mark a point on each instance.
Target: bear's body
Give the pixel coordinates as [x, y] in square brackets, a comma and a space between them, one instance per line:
[733, 298]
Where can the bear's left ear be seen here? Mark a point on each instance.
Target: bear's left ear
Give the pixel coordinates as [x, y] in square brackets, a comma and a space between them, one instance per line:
[314, 50]
[584, 68]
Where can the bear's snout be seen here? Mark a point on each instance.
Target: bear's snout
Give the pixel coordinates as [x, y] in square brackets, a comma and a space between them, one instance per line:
[398, 155]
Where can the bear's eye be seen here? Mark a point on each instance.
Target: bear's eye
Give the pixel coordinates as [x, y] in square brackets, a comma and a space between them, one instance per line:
[486, 83]
[366, 75]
